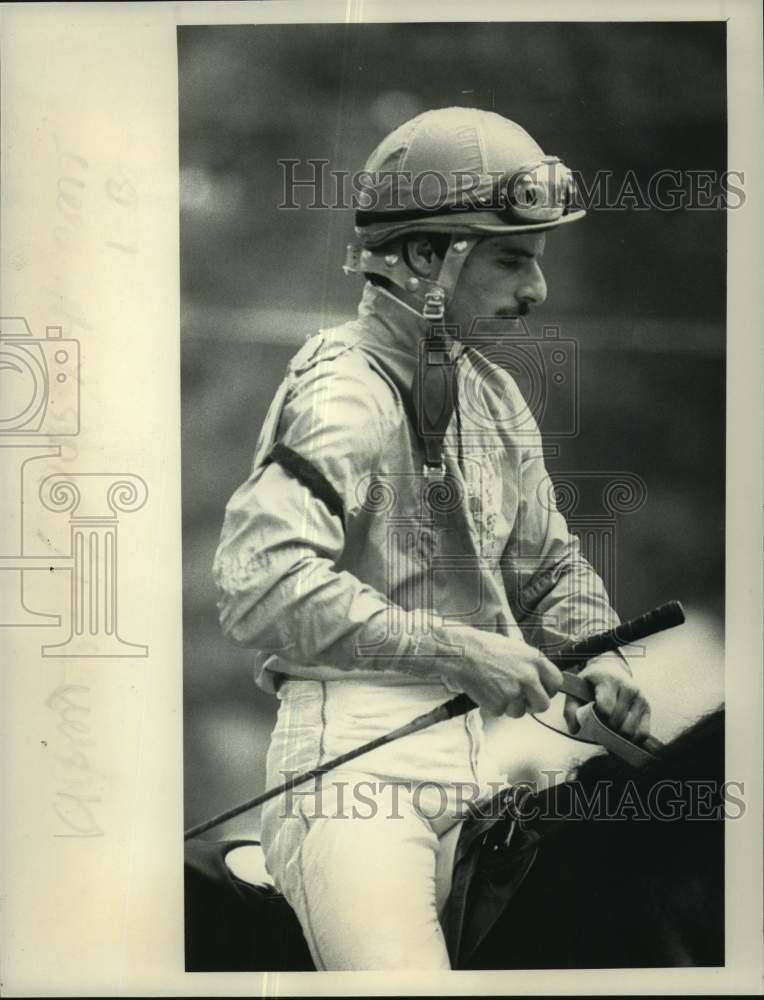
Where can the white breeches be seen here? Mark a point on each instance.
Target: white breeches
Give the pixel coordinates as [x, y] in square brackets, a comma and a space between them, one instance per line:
[362, 857]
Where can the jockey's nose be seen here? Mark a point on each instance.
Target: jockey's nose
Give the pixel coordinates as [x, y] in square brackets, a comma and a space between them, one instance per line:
[532, 290]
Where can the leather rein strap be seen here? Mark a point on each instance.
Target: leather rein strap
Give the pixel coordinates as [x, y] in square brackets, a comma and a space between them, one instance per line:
[594, 730]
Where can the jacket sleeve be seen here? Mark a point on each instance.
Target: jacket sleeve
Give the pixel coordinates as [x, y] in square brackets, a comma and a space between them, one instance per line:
[279, 589]
[555, 593]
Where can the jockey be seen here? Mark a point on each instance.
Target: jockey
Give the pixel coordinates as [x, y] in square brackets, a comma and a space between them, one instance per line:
[398, 540]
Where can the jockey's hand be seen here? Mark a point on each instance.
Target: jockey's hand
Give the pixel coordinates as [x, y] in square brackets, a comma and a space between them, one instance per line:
[504, 676]
[617, 698]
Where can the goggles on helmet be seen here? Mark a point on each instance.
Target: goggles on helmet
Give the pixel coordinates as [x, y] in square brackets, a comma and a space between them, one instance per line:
[540, 194]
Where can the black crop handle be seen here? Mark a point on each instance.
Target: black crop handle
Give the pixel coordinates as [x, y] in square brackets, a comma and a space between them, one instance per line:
[658, 620]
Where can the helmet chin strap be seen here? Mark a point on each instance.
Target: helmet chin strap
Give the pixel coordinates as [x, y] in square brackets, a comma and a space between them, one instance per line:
[434, 391]
[431, 296]
[434, 383]
[436, 294]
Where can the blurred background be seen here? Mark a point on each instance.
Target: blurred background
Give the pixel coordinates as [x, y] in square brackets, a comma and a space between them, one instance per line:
[640, 291]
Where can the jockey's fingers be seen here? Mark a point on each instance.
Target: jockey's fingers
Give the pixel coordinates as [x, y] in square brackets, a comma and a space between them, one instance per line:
[636, 711]
[534, 691]
[493, 703]
[630, 724]
[569, 713]
[515, 707]
[624, 701]
[549, 675]
[605, 697]
[503, 697]
[537, 699]
[643, 728]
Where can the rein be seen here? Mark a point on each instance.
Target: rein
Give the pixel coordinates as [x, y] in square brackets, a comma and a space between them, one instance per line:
[594, 731]
[664, 617]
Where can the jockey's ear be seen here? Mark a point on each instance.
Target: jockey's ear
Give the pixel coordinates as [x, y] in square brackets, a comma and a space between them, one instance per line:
[424, 254]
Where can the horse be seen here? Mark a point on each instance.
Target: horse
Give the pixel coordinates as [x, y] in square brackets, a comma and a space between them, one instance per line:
[625, 867]
[615, 867]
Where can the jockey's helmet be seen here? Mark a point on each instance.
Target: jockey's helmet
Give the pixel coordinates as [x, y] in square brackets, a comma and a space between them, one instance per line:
[464, 172]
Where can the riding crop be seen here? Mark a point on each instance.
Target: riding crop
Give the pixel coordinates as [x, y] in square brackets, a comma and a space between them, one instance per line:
[575, 655]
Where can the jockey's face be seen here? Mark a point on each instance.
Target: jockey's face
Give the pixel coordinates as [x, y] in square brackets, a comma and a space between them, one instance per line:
[501, 277]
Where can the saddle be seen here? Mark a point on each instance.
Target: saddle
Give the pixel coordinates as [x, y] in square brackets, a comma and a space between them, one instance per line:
[236, 926]
[495, 852]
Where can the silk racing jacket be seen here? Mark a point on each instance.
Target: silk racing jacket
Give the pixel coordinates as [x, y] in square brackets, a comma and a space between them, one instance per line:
[338, 555]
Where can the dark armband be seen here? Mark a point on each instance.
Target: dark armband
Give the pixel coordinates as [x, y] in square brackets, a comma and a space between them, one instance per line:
[310, 477]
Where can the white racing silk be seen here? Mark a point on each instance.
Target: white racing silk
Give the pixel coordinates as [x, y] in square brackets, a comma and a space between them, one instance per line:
[349, 592]
[374, 596]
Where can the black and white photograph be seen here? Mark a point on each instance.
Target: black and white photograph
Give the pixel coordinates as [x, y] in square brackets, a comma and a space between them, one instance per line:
[467, 481]
[380, 551]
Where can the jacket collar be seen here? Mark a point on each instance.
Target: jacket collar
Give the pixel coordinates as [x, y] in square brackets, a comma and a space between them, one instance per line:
[393, 338]
[394, 332]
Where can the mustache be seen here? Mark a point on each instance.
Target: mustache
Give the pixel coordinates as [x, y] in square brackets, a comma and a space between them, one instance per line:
[522, 310]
